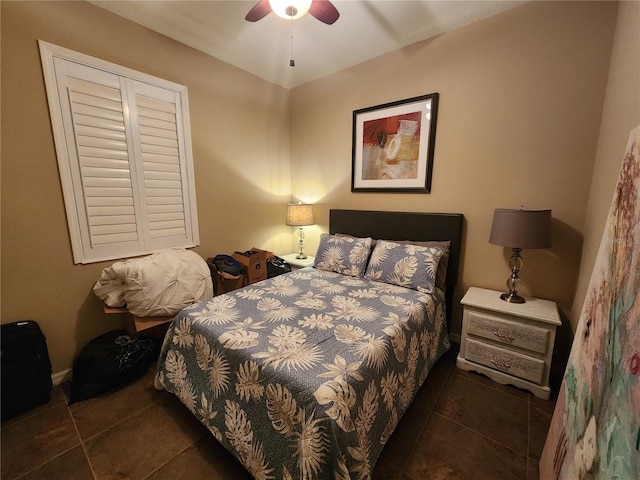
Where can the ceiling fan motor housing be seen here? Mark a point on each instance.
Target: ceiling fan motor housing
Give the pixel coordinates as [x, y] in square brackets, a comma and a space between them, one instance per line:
[291, 11]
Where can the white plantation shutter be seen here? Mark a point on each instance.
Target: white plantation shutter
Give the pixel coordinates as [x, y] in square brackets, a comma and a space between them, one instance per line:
[124, 154]
[161, 167]
[104, 198]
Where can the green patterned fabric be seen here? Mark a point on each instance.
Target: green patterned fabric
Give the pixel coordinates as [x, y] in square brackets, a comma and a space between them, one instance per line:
[304, 375]
[405, 265]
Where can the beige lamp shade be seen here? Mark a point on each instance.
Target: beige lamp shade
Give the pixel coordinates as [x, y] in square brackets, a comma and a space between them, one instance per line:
[300, 214]
[521, 228]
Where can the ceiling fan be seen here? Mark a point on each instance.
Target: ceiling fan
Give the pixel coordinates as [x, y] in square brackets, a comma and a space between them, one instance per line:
[322, 10]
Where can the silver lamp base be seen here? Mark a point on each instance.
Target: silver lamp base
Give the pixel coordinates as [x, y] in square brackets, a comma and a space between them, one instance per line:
[512, 297]
[513, 283]
[301, 255]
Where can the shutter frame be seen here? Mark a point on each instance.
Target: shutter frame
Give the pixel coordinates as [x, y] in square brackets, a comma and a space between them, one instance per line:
[92, 157]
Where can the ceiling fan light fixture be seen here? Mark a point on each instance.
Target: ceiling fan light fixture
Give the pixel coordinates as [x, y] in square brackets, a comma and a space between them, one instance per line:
[290, 9]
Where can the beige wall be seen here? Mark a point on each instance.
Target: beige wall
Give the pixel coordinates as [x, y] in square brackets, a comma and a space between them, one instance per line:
[620, 115]
[239, 126]
[521, 97]
[520, 109]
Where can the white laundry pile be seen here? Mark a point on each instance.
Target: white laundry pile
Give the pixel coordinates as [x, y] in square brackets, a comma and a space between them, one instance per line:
[160, 284]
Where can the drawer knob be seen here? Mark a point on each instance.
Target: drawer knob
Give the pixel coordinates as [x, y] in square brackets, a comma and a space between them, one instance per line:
[504, 334]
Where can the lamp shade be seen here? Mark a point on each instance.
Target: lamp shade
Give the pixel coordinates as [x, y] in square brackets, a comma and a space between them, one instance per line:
[300, 214]
[520, 228]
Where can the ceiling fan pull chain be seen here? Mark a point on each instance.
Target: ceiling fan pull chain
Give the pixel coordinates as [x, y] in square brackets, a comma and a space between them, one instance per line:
[292, 62]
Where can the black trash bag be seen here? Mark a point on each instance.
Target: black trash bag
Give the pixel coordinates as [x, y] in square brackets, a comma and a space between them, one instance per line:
[109, 361]
[277, 266]
[228, 264]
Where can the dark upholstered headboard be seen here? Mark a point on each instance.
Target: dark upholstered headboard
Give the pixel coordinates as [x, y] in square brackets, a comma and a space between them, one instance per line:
[406, 226]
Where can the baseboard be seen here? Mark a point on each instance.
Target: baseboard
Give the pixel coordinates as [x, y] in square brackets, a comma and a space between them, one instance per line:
[61, 377]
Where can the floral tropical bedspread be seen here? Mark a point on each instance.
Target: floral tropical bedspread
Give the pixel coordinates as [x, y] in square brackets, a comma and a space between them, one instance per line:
[304, 375]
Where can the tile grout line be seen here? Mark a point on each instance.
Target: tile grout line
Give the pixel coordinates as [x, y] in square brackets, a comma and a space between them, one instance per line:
[147, 477]
[150, 403]
[496, 386]
[32, 413]
[113, 424]
[402, 469]
[499, 390]
[80, 443]
[28, 416]
[84, 448]
[492, 440]
[60, 402]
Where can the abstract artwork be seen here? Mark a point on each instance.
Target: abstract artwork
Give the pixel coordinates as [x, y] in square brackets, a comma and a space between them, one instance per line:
[595, 429]
[393, 146]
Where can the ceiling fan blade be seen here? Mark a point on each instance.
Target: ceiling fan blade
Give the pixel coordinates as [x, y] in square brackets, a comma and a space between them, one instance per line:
[259, 10]
[324, 11]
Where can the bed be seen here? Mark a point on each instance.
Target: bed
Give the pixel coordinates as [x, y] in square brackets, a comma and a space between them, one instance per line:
[305, 375]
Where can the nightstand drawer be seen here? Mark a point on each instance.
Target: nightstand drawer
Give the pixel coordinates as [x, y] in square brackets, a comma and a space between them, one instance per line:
[508, 332]
[513, 363]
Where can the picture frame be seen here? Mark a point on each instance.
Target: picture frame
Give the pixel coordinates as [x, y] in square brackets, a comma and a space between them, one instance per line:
[393, 146]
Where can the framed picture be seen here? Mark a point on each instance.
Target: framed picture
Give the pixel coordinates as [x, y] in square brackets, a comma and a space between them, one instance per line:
[393, 146]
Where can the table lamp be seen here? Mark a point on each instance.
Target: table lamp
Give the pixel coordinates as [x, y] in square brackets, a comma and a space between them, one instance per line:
[519, 229]
[300, 215]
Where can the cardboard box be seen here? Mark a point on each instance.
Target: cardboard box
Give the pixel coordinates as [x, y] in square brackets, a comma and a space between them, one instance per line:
[255, 264]
[221, 284]
[155, 327]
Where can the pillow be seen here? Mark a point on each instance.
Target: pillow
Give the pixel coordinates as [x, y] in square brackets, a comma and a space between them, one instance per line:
[346, 255]
[441, 276]
[406, 265]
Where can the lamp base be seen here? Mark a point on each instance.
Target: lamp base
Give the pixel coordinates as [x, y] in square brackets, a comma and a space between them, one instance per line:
[512, 297]
[301, 255]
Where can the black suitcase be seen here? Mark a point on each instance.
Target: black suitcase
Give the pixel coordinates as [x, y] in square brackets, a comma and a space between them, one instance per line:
[26, 368]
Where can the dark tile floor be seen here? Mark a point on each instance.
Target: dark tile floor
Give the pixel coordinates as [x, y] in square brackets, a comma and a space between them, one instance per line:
[460, 426]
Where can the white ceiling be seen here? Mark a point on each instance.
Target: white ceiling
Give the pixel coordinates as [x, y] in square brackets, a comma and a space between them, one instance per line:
[365, 29]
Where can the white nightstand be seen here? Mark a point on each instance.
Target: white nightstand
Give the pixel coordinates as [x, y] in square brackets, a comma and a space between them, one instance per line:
[297, 263]
[510, 343]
